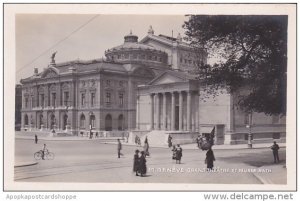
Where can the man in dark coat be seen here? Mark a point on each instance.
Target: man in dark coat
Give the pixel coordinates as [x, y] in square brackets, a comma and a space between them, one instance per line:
[119, 148]
[136, 162]
[142, 162]
[275, 149]
[210, 158]
[178, 154]
[35, 139]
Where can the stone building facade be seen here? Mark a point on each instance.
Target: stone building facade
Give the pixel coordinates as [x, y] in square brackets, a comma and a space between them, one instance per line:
[99, 95]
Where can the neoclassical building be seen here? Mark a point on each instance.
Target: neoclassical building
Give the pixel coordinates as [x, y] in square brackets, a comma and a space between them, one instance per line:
[100, 95]
[146, 87]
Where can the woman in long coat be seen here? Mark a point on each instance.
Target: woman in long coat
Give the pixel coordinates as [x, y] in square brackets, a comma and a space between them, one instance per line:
[136, 162]
[146, 147]
[210, 158]
[142, 161]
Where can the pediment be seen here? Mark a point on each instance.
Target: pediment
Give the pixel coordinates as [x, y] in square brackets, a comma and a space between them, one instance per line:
[50, 72]
[167, 78]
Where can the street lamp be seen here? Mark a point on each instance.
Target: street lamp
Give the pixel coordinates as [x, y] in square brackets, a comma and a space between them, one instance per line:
[249, 130]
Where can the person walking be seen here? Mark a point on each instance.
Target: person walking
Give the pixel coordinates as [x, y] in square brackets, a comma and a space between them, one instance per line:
[146, 147]
[169, 141]
[210, 158]
[136, 162]
[119, 148]
[35, 139]
[174, 152]
[198, 140]
[275, 149]
[178, 154]
[142, 164]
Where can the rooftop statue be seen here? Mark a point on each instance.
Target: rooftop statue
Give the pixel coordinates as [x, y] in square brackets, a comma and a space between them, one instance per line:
[53, 56]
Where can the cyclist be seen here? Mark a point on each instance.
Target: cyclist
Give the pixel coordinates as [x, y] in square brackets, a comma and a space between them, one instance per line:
[43, 151]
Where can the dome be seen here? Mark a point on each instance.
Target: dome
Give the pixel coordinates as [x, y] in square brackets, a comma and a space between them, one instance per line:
[131, 51]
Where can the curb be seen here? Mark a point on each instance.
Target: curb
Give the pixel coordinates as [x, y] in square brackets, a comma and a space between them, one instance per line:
[262, 180]
[26, 164]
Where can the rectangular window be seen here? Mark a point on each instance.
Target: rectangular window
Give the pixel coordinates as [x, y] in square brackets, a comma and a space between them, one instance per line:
[26, 102]
[53, 99]
[32, 100]
[93, 99]
[82, 99]
[38, 100]
[108, 98]
[66, 98]
[275, 119]
[276, 135]
[42, 100]
[121, 99]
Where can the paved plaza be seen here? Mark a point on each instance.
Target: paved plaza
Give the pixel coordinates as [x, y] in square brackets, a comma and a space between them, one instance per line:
[96, 161]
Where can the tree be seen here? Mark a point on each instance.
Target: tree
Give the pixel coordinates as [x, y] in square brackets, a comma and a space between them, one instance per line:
[251, 53]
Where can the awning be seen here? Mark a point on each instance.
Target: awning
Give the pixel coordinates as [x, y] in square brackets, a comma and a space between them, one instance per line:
[206, 129]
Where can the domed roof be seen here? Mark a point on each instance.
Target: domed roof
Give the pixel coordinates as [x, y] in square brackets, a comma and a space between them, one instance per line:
[131, 42]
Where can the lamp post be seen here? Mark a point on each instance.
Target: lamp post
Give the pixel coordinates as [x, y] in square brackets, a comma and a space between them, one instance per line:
[249, 130]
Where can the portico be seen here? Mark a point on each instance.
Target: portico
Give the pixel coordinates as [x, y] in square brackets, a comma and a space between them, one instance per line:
[173, 100]
[174, 110]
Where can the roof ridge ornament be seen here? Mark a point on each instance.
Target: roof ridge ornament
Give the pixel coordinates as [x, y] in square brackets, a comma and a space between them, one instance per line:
[150, 30]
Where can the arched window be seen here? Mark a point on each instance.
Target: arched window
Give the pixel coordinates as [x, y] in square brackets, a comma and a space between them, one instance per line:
[121, 122]
[52, 123]
[82, 121]
[26, 120]
[41, 121]
[108, 122]
[92, 121]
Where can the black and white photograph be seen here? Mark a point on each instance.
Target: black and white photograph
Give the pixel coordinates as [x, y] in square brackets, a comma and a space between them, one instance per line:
[150, 97]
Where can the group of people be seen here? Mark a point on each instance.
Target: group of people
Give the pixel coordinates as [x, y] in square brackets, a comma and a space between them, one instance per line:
[139, 163]
[177, 153]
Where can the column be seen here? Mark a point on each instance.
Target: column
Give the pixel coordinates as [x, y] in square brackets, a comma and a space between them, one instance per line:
[157, 111]
[151, 111]
[164, 117]
[180, 111]
[173, 111]
[197, 112]
[188, 114]
[138, 112]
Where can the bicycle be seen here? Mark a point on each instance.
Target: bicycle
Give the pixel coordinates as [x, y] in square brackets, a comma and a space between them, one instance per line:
[47, 155]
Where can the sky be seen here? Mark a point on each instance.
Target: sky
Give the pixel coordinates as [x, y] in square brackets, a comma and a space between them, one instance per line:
[83, 37]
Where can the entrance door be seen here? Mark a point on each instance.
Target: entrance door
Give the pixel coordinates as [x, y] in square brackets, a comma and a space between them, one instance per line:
[65, 121]
[176, 117]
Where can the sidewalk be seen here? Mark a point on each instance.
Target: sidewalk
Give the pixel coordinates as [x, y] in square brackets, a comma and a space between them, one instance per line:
[113, 140]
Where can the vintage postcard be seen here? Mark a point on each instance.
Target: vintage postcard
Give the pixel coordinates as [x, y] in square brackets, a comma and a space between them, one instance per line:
[189, 97]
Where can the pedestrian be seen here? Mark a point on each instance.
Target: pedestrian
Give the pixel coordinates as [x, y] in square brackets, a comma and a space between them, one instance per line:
[142, 162]
[53, 132]
[146, 147]
[198, 140]
[169, 141]
[35, 139]
[96, 135]
[275, 149]
[174, 152]
[136, 139]
[119, 148]
[136, 162]
[43, 151]
[178, 154]
[210, 158]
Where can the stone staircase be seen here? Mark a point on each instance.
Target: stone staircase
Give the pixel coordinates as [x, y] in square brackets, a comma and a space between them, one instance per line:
[156, 137]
